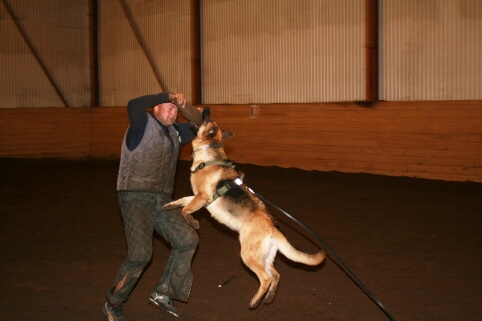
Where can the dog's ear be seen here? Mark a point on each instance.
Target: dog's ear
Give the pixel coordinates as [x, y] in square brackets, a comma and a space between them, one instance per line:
[212, 132]
[227, 135]
[206, 114]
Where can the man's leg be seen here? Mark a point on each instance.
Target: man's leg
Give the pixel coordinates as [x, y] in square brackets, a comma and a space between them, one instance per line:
[138, 212]
[177, 279]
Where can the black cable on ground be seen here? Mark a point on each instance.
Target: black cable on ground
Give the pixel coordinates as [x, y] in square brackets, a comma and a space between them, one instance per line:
[335, 258]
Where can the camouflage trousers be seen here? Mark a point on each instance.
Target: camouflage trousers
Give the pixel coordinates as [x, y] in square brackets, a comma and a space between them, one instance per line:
[142, 215]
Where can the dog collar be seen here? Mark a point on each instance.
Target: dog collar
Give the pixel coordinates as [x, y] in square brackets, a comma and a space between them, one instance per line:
[226, 163]
[213, 145]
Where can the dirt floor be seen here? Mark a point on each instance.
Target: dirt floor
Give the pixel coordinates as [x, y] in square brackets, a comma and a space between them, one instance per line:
[415, 244]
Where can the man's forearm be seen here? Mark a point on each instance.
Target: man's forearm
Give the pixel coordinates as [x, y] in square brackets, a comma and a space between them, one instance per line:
[148, 101]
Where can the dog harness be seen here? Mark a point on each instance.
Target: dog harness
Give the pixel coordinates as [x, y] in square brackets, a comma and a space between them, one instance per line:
[225, 188]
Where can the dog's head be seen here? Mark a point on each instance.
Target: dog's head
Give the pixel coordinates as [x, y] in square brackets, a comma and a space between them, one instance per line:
[209, 130]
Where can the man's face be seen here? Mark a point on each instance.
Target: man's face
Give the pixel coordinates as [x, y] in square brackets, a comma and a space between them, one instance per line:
[166, 113]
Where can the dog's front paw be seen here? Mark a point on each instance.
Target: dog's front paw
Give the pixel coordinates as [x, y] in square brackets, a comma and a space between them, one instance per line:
[169, 206]
[191, 221]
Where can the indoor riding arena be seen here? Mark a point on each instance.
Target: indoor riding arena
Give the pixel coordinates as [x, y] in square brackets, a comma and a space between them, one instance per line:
[358, 123]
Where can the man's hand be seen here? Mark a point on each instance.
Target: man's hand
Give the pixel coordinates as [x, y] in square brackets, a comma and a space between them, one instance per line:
[186, 109]
[177, 99]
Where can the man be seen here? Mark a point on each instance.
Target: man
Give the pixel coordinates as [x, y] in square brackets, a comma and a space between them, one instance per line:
[145, 183]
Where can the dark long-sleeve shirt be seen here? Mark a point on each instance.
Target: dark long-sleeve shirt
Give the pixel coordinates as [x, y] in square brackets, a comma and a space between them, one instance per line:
[136, 112]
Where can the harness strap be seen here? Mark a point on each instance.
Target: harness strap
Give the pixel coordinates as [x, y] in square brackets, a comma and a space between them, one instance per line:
[226, 163]
[225, 188]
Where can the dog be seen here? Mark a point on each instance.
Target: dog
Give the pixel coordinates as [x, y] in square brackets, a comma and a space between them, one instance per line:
[218, 187]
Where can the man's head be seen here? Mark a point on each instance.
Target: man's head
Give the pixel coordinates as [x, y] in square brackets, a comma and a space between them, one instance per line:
[166, 113]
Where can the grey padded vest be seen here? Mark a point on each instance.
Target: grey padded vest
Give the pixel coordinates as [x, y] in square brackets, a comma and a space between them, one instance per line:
[151, 166]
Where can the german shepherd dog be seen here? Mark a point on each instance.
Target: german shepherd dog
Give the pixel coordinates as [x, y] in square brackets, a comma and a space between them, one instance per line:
[218, 187]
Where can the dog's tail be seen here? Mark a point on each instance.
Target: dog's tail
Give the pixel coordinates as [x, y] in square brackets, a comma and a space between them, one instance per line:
[296, 255]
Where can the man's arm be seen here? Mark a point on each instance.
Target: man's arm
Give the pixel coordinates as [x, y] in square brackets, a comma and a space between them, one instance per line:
[186, 109]
[136, 112]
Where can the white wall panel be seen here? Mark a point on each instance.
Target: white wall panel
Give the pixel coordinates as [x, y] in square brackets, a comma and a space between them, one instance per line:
[431, 50]
[58, 32]
[280, 51]
[125, 71]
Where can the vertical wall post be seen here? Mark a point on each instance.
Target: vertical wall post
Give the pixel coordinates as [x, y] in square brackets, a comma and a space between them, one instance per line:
[371, 49]
[93, 53]
[196, 78]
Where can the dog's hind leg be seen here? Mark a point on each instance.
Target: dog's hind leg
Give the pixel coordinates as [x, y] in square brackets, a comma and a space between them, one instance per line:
[274, 280]
[264, 280]
[252, 255]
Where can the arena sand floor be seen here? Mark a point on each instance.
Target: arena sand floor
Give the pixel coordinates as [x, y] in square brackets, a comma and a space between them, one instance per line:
[414, 243]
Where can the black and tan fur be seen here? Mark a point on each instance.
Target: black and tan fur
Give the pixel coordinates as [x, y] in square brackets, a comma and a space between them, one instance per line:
[239, 209]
